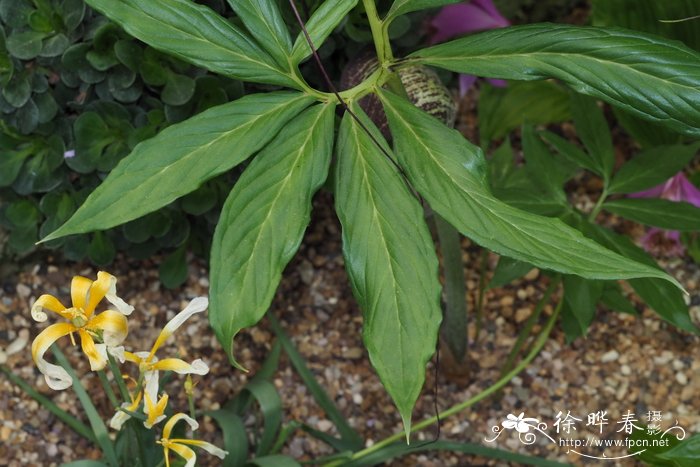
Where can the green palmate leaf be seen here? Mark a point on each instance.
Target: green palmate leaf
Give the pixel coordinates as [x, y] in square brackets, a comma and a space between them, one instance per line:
[181, 157]
[391, 262]
[593, 130]
[652, 167]
[448, 171]
[401, 7]
[320, 25]
[264, 21]
[195, 34]
[661, 296]
[504, 109]
[263, 220]
[672, 215]
[654, 78]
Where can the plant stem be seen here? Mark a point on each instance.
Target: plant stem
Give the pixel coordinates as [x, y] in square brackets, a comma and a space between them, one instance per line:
[598, 205]
[454, 324]
[537, 346]
[525, 332]
[482, 290]
[380, 34]
[75, 424]
[117, 374]
[108, 388]
[98, 426]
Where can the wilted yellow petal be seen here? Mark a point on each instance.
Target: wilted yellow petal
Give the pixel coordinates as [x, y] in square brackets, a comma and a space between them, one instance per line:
[185, 452]
[56, 377]
[79, 289]
[197, 367]
[210, 448]
[113, 325]
[121, 417]
[97, 360]
[197, 305]
[50, 303]
[168, 428]
[97, 292]
[121, 306]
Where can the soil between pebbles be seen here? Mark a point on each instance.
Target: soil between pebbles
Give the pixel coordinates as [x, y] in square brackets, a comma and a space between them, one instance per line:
[625, 363]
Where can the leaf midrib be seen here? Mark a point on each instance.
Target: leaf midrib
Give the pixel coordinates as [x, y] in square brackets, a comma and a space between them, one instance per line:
[223, 135]
[375, 215]
[447, 173]
[283, 184]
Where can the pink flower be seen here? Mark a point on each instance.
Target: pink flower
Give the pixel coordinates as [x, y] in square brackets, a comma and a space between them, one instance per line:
[465, 18]
[676, 188]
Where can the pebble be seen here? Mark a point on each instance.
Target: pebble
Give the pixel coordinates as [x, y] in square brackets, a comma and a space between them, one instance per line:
[324, 425]
[681, 378]
[23, 291]
[522, 314]
[625, 370]
[610, 356]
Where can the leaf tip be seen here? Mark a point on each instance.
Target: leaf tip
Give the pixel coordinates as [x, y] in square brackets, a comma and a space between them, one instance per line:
[407, 426]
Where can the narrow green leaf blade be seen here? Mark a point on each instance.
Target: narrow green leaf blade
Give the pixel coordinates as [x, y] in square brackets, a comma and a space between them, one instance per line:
[264, 21]
[181, 157]
[570, 151]
[504, 109]
[196, 34]
[652, 167]
[350, 439]
[671, 215]
[580, 297]
[593, 130]
[263, 221]
[448, 171]
[401, 7]
[654, 78]
[661, 296]
[319, 26]
[647, 15]
[391, 262]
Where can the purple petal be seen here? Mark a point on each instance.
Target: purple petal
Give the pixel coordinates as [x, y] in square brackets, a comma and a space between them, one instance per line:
[650, 193]
[465, 83]
[464, 18]
[688, 191]
[499, 83]
[68, 154]
[663, 242]
[676, 188]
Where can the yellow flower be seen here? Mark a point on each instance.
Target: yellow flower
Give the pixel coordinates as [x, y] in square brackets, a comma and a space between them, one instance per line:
[180, 445]
[155, 412]
[110, 327]
[120, 417]
[148, 363]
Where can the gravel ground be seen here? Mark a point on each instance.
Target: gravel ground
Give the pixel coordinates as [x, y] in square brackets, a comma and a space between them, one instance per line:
[625, 363]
